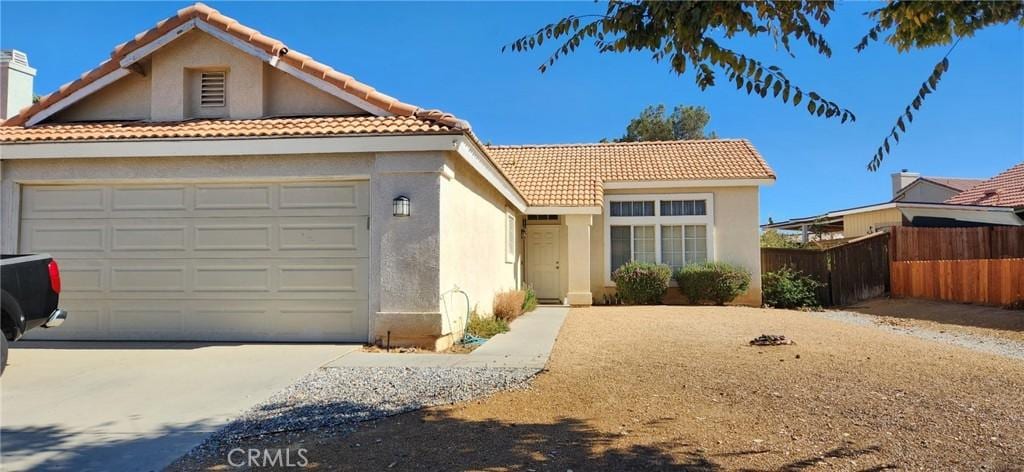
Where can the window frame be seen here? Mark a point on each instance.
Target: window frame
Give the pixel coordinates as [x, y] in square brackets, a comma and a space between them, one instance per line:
[510, 236]
[707, 220]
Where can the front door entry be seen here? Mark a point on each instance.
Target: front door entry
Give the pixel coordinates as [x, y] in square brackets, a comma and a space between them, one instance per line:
[542, 261]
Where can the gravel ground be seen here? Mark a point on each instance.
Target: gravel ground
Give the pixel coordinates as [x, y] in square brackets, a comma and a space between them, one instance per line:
[338, 399]
[980, 343]
[680, 388]
[986, 321]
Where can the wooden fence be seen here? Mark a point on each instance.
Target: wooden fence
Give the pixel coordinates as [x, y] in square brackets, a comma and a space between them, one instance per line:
[850, 273]
[923, 244]
[982, 281]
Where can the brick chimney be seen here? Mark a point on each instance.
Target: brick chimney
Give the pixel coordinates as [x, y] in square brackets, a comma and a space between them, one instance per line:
[902, 179]
[15, 82]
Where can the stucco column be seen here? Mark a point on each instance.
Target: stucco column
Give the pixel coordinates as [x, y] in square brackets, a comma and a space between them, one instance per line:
[579, 260]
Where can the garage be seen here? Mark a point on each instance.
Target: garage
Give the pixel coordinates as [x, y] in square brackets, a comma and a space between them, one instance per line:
[205, 261]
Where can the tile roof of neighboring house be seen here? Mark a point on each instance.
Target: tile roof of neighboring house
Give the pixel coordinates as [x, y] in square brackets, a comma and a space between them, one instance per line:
[205, 128]
[265, 43]
[573, 174]
[1005, 189]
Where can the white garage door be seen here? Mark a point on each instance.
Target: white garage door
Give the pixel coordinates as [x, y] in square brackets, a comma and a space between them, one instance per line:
[205, 262]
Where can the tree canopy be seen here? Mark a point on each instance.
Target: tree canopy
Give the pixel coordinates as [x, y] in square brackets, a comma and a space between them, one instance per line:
[685, 122]
[692, 36]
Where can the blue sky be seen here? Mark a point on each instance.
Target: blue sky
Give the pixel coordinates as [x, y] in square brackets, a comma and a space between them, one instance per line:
[447, 55]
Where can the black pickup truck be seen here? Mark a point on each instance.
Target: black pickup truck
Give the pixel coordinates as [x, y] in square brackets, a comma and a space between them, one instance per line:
[30, 286]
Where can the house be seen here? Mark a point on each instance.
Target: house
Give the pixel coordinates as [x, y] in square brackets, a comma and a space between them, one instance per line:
[922, 202]
[207, 182]
[912, 187]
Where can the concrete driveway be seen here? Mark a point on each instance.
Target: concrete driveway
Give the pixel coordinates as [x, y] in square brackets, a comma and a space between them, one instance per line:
[134, 406]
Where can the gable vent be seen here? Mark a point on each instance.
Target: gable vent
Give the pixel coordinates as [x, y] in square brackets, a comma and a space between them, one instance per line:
[212, 89]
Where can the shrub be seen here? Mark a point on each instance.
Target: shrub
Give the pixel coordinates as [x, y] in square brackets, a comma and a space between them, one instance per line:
[789, 288]
[530, 302]
[641, 283]
[716, 282]
[486, 327]
[508, 305]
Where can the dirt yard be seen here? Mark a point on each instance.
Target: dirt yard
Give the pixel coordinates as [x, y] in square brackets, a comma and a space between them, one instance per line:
[972, 319]
[679, 388]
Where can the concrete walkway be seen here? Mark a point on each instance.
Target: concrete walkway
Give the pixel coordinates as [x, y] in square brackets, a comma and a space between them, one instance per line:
[527, 345]
[86, 406]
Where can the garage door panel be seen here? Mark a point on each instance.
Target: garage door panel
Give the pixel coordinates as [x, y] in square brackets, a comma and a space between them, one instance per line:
[166, 237]
[148, 278]
[42, 236]
[230, 262]
[199, 237]
[49, 202]
[133, 199]
[233, 237]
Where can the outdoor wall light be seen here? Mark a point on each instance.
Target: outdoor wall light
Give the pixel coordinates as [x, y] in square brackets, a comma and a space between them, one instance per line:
[401, 206]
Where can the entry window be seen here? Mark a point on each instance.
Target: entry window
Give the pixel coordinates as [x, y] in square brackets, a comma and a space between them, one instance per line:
[510, 237]
[683, 207]
[632, 243]
[635, 208]
[542, 217]
[695, 247]
[620, 245]
[643, 244]
[672, 229]
[683, 244]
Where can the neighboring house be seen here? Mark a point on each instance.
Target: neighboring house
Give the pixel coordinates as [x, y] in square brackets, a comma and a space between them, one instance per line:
[912, 187]
[208, 183]
[922, 202]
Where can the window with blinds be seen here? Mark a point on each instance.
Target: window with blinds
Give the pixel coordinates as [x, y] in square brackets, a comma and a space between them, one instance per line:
[212, 89]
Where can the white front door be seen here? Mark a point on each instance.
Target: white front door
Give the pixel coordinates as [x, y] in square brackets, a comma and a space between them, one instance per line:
[542, 261]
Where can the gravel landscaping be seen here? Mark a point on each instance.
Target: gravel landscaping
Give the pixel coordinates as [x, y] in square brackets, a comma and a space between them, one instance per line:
[339, 398]
[681, 388]
[981, 343]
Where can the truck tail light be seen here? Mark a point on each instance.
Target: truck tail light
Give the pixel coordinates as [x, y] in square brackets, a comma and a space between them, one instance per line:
[54, 276]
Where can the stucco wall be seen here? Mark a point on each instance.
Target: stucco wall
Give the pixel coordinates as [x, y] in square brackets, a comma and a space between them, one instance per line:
[925, 191]
[285, 95]
[198, 50]
[859, 224]
[125, 99]
[409, 274]
[736, 235]
[167, 91]
[473, 256]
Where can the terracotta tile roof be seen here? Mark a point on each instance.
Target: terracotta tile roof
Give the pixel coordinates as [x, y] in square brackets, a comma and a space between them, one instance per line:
[253, 37]
[573, 174]
[264, 127]
[1005, 189]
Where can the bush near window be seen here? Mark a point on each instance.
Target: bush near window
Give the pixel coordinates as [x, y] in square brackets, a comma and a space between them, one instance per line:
[508, 305]
[789, 288]
[530, 302]
[715, 282]
[641, 283]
